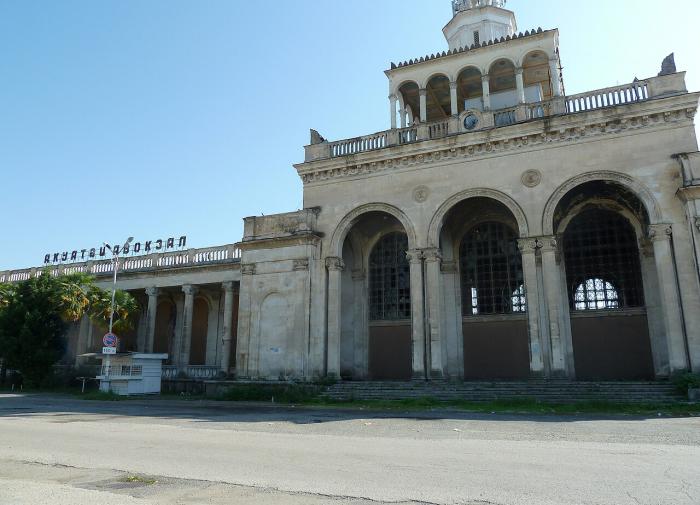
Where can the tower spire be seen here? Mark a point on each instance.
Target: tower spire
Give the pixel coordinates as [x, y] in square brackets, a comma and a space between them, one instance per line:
[477, 21]
[464, 5]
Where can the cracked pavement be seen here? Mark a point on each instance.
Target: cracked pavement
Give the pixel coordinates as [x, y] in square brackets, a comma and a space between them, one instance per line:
[59, 450]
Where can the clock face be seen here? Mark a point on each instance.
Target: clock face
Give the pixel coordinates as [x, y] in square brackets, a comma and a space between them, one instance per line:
[471, 121]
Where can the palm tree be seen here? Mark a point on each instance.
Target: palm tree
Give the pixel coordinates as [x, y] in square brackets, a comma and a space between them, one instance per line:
[125, 307]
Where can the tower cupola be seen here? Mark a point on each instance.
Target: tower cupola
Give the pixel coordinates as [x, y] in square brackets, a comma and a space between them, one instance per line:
[477, 21]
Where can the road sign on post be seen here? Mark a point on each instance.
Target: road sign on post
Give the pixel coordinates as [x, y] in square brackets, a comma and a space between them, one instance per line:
[110, 340]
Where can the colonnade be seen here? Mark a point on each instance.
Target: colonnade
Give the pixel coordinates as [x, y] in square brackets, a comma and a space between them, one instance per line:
[395, 100]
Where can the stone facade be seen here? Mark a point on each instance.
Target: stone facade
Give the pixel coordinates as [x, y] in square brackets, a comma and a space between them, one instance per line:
[508, 238]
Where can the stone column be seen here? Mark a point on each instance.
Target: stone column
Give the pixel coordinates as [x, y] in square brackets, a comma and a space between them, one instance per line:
[556, 81]
[402, 117]
[244, 348]
[520, 85]
[226, 337]
[528, 248]
[392, 106]
[423, 105]
[335, 268]
[151, 313]
[553, 297]
[453, 99]
[186, 341]
[660, 235]
[415, 259]
[436, 339]
[486, 86]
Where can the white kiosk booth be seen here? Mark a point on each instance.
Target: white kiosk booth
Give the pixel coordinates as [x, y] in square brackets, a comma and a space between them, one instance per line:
[130, 373]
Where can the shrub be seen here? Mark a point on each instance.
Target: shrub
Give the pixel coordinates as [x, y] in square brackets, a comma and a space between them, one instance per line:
[282, 393]
[686, 381]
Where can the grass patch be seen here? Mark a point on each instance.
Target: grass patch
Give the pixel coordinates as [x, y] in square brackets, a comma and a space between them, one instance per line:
[525, 406]
[101, 396]
[137, 479]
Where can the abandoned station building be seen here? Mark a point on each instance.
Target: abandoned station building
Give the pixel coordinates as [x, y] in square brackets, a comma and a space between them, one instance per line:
[499, 229]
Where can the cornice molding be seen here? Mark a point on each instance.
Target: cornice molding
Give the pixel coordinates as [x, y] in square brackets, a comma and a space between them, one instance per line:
[276, 243]
[511, 141]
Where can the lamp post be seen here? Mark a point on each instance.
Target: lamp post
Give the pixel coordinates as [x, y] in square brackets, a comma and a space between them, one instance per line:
[115, 268]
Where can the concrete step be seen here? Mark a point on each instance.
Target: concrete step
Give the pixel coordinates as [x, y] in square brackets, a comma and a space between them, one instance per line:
[559, 391]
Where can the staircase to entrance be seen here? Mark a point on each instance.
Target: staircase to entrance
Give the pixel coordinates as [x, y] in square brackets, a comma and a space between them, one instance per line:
[551, 391]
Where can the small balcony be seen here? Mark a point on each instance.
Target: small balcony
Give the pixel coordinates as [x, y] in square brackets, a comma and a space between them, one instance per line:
[638, 91]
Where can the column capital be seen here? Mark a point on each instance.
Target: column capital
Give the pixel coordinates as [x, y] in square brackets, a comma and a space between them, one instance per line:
[152, 291]
[228, 286]
[393, 97]
[660, 232]
[335, 264]
[519, 70]
[432, 254]
[453, 84]
[190, 290]
[549, 244]
[528, 245]
[414, 256]
[248, 269]
[423, 91]
[485, 78]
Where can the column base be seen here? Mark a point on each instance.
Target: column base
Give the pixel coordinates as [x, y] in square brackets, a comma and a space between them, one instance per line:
[418, 376]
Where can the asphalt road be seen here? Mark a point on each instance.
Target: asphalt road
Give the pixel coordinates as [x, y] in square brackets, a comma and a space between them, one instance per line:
[63, 451]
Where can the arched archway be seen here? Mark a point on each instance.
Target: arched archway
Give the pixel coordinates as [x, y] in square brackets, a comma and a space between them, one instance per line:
[601, 225]
[483, 270]
[470, 90]
[537, 79]
[375, 309]
[410, 97]
[438, 101]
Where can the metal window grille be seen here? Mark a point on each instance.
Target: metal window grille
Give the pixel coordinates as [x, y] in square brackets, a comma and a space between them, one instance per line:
[603, 269]
[389, 279]
[491, 271]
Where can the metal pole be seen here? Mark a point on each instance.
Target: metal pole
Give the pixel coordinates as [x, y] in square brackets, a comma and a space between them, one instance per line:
[115, 267]
[115, 264]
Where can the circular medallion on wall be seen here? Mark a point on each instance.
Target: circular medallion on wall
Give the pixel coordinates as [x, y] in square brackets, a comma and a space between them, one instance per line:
[420, 194]
[531, 178]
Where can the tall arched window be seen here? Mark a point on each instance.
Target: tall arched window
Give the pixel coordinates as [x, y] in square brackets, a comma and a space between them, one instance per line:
[389, 279]
[603, 269]
[491, 271]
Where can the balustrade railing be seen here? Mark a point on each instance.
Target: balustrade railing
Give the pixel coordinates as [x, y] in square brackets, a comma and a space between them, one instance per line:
[609, 97]
[408, 135]
[359, 144]
[438, 130]
[193, 257]
[169, 372]
[505, 117]
[190, 372]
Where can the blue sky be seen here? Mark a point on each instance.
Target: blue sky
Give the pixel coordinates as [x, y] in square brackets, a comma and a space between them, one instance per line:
[158, 118]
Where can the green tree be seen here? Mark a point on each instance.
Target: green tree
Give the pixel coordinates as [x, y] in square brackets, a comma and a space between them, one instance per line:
[32, 329]
[100, 307]
[34, 313]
